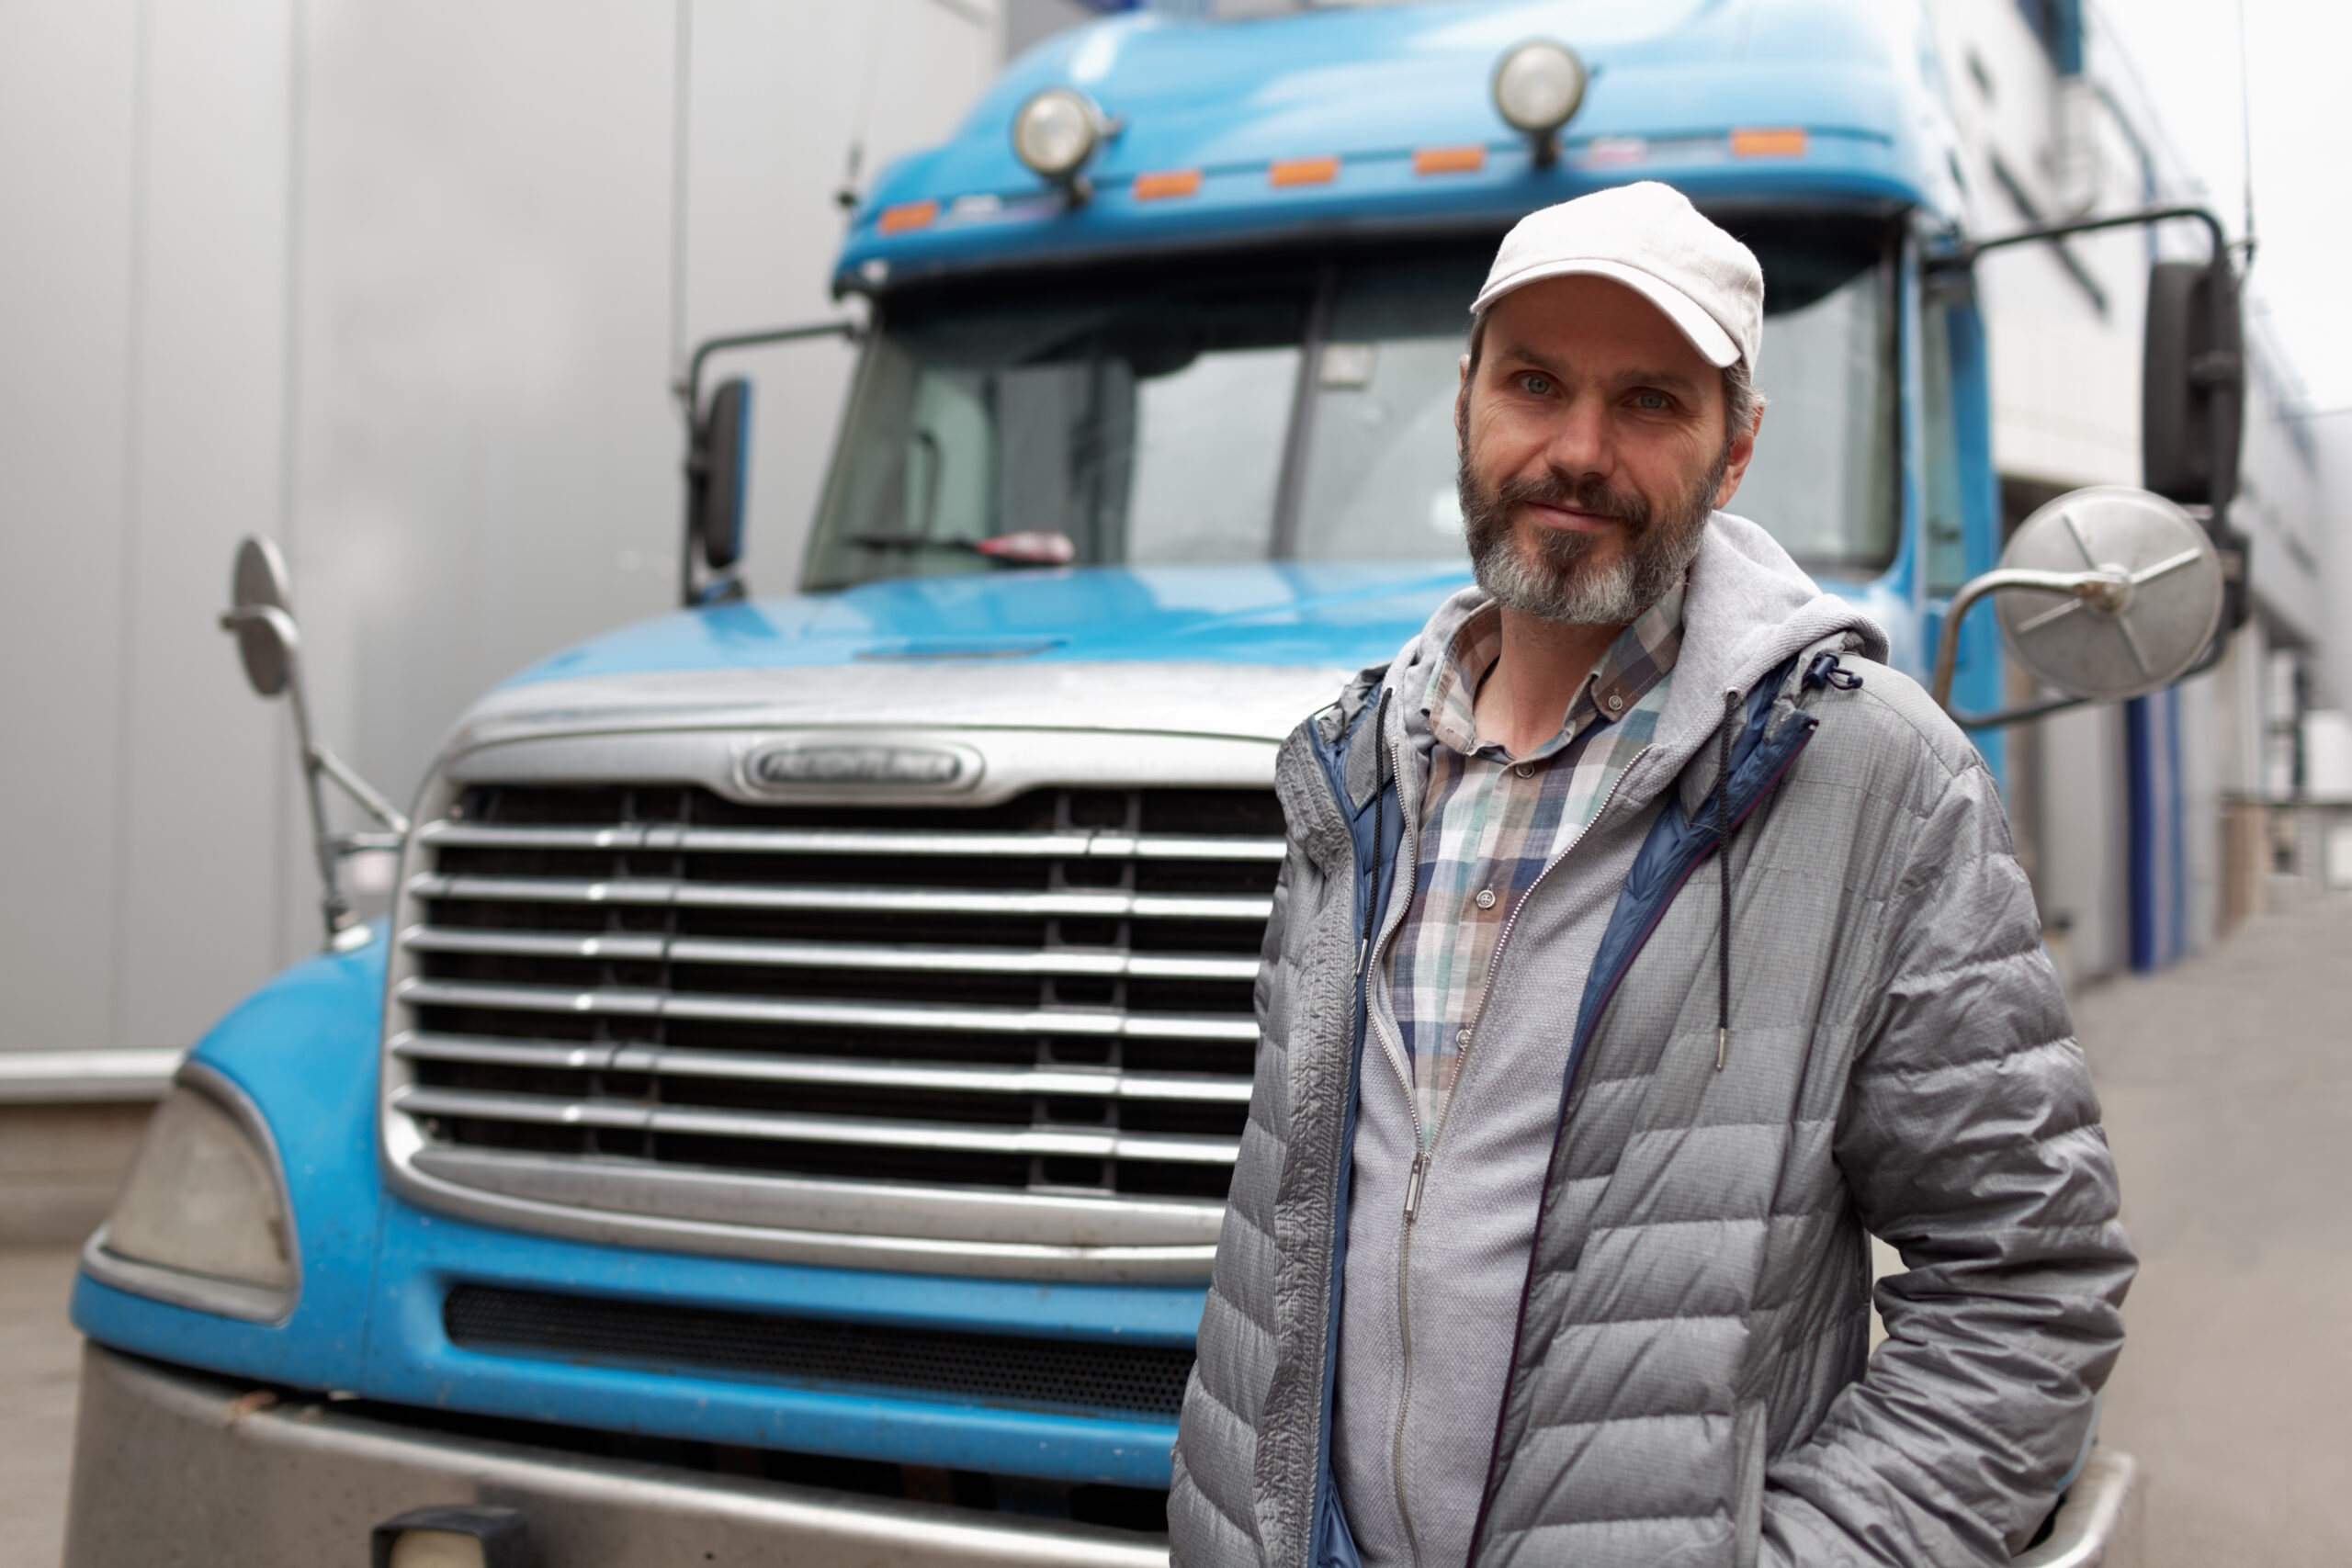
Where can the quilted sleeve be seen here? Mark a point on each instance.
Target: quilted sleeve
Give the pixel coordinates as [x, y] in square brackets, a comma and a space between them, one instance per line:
[1970, 1140]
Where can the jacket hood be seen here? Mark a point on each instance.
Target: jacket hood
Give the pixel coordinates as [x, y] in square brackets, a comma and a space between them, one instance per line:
[1748, 608]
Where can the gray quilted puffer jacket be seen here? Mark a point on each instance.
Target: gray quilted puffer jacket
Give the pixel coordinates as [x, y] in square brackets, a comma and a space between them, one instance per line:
[1690, 1382]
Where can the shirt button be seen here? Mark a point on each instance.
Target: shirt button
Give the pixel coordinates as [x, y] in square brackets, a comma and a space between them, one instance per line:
[1485, 898]
[1615, 702]
[1525, 770]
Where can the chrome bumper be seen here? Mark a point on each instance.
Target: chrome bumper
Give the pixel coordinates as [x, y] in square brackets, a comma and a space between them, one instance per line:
[2098, 1524]
[173, 1467]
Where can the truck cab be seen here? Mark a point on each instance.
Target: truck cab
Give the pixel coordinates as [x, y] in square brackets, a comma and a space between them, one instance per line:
[788, 1108]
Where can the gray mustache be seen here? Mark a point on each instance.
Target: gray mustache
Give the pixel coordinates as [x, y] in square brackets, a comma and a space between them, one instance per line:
[1591, 493]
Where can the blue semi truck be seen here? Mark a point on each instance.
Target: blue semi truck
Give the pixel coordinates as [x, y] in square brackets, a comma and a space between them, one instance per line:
[786, 1112]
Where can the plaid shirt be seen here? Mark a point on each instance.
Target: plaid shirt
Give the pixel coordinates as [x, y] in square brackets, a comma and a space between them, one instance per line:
[1491, 822]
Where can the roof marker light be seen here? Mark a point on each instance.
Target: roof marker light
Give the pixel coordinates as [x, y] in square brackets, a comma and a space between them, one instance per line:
[1303, 170]
[1449, 160]
[906, 216]
[1166, 183]
[1055, 131]
[1539, 85]
[1780, 142]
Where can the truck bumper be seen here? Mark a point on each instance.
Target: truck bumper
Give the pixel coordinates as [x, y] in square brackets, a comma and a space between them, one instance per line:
[173, 1467]
[2099, 1524]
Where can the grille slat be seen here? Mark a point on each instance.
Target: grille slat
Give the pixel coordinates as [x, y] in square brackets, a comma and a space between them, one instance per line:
[915, 1016]
[1079, 1377]
[1105, 965]
[1042, 1000]
[630, 1115]
[835, 841]
[1078, 1082]
[654, 890]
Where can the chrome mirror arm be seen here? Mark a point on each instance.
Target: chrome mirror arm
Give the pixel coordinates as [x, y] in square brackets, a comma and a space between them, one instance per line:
[342, 931]
[2107, 590]
[361, 792]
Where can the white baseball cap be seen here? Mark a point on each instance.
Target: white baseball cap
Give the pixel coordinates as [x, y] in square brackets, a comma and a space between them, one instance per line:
[1649, 237]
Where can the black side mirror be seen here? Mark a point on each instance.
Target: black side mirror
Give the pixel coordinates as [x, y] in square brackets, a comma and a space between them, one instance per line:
[718, 446]
[715, 474]
[2193, 384]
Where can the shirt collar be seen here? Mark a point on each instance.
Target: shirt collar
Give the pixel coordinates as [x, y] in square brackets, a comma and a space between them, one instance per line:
[1635, 662]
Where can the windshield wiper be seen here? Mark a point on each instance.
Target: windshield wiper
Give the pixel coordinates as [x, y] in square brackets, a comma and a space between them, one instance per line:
[1030, 547]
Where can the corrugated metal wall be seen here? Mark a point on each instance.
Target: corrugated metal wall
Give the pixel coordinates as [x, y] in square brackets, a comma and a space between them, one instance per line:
[401, 282]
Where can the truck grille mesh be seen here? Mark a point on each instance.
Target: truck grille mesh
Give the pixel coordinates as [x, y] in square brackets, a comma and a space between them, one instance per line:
[1078, 1376]
[1052, 995]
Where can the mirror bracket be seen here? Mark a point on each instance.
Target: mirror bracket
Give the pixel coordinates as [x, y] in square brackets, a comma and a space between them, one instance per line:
[2108, 590]
[1962, 254]
[2041, 708]
[2021, 713]
[319, 762]
[687, 389]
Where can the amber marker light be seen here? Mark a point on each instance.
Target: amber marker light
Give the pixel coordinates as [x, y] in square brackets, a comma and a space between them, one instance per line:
[1780, 142]
[1303, 170]
[1167, 183]
[907, 215]
[1449, 160]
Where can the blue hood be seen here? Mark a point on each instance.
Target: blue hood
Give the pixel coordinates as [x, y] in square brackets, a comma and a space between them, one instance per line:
[1316, 615]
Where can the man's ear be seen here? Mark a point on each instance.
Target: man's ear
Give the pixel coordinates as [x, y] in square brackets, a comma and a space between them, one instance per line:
[1461, 409]
[1735, 461]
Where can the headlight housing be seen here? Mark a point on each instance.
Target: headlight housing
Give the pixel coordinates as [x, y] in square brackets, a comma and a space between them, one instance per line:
[1539, 87]
[203, 1219]
[1056, 131]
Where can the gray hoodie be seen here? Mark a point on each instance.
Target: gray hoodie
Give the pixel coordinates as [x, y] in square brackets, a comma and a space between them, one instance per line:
[1630, 1327]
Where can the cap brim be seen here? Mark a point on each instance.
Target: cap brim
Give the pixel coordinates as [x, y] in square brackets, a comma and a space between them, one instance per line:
[1713, 344]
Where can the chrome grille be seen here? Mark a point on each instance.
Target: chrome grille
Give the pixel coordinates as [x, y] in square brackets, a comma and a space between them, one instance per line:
[609, 992]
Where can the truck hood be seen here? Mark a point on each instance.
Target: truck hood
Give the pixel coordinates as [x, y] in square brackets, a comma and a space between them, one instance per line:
[1322, 615]
[1244, 651]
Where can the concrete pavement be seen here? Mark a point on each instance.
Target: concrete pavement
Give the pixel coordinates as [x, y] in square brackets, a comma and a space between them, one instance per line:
[2228, 1088]
[39, 1362]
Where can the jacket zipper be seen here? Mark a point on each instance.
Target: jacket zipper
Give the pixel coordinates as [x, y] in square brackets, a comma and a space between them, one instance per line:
[1400, 899]
[1408, 867]
[1425, 1150]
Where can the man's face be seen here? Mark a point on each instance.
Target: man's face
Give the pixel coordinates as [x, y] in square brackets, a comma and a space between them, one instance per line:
[1593, 447]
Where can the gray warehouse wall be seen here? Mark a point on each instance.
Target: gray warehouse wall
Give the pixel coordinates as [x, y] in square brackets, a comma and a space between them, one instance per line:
[403, 284]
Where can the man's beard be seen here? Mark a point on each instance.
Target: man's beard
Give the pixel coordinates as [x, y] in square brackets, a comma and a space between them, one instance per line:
[1557, 579]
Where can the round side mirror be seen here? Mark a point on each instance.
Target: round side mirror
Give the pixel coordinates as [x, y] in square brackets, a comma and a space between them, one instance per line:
[2144, 609]
[263, 641]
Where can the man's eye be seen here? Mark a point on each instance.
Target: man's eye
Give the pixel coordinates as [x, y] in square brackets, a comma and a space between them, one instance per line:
[1651, 403]
[1541, 386]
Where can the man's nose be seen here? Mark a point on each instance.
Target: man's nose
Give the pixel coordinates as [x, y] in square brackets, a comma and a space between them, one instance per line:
[1579, 439]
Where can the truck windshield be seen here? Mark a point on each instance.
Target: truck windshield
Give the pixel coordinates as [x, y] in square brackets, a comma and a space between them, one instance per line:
[1177, 418]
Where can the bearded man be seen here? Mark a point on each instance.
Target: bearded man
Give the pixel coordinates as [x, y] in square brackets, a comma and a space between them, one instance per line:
[1548, 1242]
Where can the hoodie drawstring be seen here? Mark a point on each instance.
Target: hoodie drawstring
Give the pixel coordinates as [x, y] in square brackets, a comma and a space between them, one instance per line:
[1722, 860]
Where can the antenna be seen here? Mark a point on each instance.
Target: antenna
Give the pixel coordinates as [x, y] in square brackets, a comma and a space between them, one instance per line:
[2245, 134]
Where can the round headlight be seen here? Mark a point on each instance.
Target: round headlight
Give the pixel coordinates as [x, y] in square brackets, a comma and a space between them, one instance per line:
[1056, 131]
[1539, 87]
